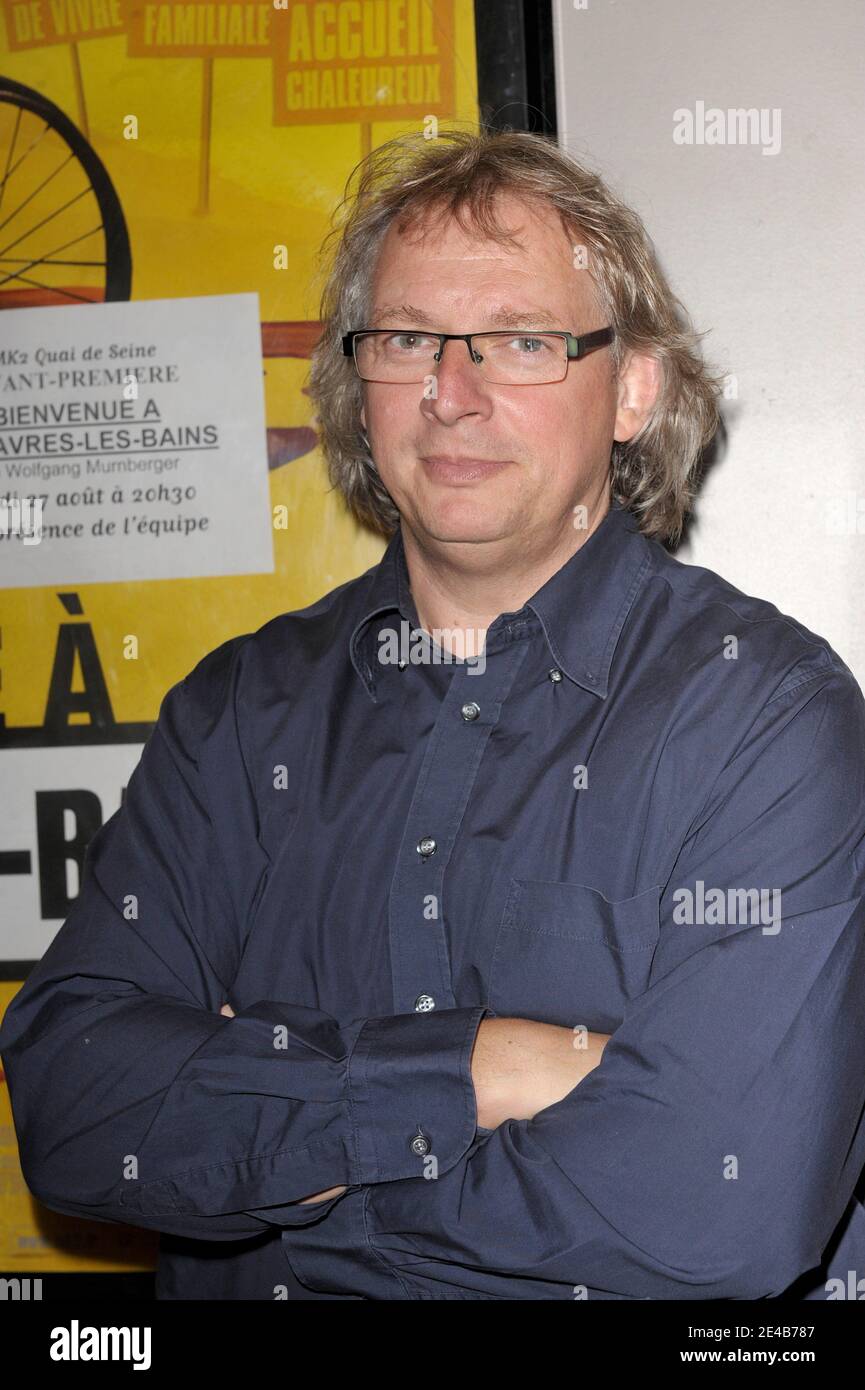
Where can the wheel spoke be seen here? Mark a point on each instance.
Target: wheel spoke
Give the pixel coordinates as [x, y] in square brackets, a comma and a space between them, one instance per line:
[37, 190]
[33, 143]
[52, 289]
[48, 260]
[49, 218]
[18, 115]
[39, 260]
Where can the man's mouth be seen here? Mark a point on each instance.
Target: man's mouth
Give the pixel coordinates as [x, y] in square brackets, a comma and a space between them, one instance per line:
[455, 468]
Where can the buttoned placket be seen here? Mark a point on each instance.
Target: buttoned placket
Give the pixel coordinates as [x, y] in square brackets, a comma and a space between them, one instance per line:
[470, 710]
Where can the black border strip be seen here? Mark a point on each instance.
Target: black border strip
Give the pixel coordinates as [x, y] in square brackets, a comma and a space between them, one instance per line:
[515, 65]
[15, 970]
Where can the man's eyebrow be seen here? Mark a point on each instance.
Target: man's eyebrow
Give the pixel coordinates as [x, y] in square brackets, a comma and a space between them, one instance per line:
[504, 316]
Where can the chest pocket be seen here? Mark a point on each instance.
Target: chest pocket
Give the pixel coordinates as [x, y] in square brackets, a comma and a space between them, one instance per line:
[565, 954]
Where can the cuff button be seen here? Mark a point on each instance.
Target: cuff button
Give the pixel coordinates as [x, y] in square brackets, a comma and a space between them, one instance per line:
[420, 1143]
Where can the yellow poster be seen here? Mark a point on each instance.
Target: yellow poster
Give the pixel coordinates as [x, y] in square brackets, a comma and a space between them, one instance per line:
[190, 151]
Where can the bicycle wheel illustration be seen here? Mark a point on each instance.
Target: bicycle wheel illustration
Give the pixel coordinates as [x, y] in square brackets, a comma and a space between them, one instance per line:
[63, 236]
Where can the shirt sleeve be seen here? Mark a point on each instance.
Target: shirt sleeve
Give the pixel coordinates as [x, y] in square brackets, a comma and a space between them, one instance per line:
[714, 1150]
[136, 1101]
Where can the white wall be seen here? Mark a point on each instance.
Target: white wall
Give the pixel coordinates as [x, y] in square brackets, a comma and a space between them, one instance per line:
[765, 250]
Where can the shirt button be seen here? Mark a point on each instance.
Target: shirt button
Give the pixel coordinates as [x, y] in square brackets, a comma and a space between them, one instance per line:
[424, 1004]
[555, 675]
[470, 711]
[420, 1144]
[426, 846]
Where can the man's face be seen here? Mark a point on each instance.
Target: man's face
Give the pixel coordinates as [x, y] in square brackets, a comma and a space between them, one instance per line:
[551, 443]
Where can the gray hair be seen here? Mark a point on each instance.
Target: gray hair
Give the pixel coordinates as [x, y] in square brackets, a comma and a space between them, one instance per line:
[459, 174]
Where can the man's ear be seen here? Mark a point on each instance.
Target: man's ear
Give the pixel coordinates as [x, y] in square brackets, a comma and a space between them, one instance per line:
[638, 389]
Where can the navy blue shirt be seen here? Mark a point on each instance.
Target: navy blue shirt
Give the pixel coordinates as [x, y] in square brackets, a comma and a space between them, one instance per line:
[642, 813]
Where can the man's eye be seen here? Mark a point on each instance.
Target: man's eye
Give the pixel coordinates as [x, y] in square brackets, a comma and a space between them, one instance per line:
[530, 346]
[524, 346]
[405, 342]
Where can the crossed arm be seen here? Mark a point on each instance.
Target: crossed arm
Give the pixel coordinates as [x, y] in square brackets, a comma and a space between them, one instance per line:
[746, 1048]
[519, 1067]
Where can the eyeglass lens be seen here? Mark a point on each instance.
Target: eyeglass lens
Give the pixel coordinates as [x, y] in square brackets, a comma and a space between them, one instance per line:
[509, 359]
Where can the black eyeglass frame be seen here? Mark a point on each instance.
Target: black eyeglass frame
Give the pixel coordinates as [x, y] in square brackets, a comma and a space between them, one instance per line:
[578, 345]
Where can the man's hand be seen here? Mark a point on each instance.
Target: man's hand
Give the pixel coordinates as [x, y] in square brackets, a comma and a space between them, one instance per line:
[318, 1196]
[520, 1067]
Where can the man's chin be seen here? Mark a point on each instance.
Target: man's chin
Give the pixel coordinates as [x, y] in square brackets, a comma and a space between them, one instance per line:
[479, 532]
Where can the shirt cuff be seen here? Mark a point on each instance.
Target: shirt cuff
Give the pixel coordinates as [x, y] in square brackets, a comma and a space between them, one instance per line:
[411, 1095]
[300, 1213]
[338, 1255]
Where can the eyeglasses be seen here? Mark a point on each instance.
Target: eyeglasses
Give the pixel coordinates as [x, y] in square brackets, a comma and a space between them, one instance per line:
[407, 356]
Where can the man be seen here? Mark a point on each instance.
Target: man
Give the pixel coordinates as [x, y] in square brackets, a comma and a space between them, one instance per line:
[521, 960]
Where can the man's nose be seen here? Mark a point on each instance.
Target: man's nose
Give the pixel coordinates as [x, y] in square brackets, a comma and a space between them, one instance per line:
[458, 378]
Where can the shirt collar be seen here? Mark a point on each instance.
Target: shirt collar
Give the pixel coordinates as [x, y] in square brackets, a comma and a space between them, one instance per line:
[582, 608]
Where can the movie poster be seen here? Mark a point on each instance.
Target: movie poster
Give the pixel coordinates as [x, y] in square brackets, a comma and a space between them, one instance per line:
[169, 172]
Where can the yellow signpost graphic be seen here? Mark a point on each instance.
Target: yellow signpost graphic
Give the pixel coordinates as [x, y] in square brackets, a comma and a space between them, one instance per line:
[186, 178]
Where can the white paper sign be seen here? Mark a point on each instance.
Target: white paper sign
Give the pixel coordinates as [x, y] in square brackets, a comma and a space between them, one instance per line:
[141, 428]
[49, 810]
